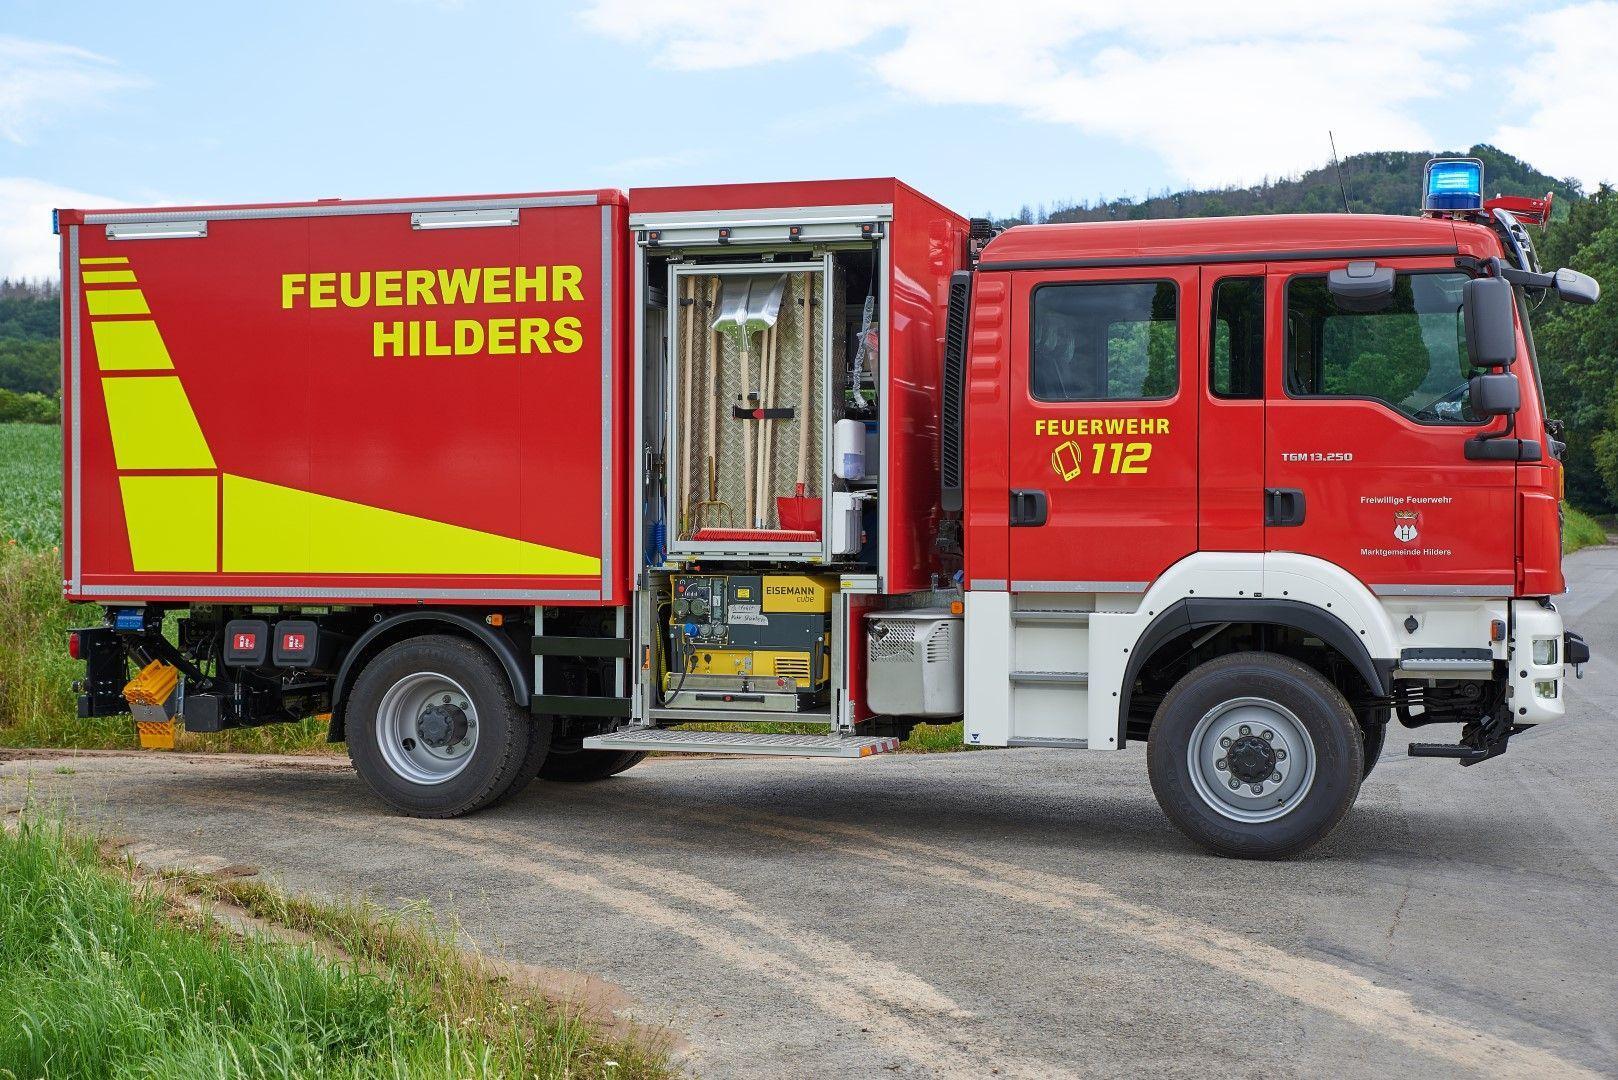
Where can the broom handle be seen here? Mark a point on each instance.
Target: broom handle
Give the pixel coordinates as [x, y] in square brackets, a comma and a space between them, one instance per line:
[808, 374]
[766, 453]
[716, 348]
[747, 428]
[687, 367]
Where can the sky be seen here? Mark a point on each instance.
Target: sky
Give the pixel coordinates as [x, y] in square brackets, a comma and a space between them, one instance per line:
[985, 106]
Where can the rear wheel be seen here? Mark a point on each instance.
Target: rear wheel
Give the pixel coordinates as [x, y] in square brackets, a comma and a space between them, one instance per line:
[583, 766]
[433, 729]
[1255, 756]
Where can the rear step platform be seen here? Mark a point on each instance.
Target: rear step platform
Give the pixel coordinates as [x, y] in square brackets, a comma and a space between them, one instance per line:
[743, 742]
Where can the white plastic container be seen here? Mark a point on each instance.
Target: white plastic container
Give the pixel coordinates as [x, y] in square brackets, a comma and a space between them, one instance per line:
[848, 450]
[913, 663]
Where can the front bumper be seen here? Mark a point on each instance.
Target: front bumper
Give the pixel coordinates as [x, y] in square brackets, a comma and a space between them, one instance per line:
[1539, 655]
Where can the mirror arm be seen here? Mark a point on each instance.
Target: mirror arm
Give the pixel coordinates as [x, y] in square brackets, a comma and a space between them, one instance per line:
[1525, 278]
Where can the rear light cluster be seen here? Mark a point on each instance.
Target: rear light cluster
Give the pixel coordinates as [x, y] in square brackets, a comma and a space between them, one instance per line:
[75, 646]
[289, 643]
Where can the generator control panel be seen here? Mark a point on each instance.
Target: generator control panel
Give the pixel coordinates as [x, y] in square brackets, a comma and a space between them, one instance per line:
[758, 641]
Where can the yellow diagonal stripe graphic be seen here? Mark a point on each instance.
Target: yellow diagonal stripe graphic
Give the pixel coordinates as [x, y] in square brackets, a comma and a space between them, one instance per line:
[173, 522]
[109, 277]
[270, 528]
[117, 302]
[130, 346]
[105, 260]
[152, 424]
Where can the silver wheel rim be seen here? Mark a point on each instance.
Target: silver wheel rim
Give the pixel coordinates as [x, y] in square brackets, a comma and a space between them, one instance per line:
[1230, 741]
[411, 727]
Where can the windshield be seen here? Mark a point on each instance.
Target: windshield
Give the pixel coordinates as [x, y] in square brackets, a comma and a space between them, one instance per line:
[1410, 353]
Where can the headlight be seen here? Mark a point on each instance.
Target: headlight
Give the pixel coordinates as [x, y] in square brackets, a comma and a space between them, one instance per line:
[1544, 651]
[1545, 688]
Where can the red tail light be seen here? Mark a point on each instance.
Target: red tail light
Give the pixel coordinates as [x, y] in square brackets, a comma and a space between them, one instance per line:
[73, 645]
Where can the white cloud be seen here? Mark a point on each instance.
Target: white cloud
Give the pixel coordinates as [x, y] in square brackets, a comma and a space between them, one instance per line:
[27, 247]
[1565, 92]
[1222, 92]
[39, 79]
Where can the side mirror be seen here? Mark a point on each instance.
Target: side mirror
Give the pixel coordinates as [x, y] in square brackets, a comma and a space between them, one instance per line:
[1495, 395]
[1361, 286]
[1491, 323]
[1577, 288]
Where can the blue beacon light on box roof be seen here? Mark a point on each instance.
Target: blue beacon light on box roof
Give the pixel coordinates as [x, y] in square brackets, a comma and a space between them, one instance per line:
[1453, 184]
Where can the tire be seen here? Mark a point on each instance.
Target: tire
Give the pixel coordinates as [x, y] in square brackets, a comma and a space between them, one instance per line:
[433, 730]
[585, 766]
[1372, 736]
[1314, 746]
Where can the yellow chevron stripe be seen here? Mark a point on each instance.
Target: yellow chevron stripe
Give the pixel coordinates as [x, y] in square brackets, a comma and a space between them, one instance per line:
[270, 528]
[105, 260]
[173, 522]
[117, 302]
[109, 277]
[152, 424]
[134, 345]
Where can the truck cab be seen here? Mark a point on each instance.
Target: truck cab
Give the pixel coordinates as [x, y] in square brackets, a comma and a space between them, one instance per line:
[1204, 457]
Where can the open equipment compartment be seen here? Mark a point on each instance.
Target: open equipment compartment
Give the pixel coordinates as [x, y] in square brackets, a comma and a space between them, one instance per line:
[724, 531]
[746, 427]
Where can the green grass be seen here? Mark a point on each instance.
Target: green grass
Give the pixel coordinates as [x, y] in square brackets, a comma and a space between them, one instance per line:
[104, 974]
[31, 485]
[1580, 530]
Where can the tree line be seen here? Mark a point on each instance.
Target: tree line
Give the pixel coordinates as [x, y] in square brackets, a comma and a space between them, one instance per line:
[30, 351]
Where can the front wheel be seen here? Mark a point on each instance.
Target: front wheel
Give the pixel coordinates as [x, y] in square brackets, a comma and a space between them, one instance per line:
[1255, 756]
[433, 729]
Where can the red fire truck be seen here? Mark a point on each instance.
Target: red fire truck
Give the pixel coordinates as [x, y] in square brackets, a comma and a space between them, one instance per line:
[533, 485]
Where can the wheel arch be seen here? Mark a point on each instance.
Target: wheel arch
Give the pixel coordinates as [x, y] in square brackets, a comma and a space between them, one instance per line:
[409, 624]
[1191, 614]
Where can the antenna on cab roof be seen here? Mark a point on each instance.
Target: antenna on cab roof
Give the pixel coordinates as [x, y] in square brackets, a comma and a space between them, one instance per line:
[1339, 167]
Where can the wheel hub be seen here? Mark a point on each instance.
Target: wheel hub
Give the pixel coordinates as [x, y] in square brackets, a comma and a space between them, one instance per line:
[1252, 760]
[427, 727]
[442, 725]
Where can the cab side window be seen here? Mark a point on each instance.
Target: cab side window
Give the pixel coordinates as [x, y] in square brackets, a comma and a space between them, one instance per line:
[1236, 349]
[1409, 353]
[1105, 341]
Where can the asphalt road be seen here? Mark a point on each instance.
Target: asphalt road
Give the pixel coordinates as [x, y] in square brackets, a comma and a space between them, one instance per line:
[1012, 913]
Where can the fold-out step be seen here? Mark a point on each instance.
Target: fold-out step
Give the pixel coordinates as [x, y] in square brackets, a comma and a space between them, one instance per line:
[744, 742]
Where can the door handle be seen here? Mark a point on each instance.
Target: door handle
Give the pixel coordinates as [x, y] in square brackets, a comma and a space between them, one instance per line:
[1029, 506]
[1283, 507]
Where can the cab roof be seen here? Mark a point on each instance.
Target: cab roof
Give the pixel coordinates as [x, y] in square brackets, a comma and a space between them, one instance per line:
[1225, 239]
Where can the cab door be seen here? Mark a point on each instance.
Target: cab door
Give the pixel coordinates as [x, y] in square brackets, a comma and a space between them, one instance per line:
[1368, 420]
[1231, 428]
[1103, 435]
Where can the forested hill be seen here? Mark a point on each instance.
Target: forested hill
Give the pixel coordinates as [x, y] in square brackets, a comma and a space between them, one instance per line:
[1383, 182]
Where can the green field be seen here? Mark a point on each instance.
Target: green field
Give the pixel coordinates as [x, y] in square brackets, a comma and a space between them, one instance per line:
[31, 485]
[104, 973]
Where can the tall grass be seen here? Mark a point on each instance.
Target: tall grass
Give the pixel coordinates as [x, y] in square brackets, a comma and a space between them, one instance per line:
[103, 976]
[31, 484]
[1580, 530]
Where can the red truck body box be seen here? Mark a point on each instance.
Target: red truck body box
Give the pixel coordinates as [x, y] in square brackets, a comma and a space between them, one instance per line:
[348, 402]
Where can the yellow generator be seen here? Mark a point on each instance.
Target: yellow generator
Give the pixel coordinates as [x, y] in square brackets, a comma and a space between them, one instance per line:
[756, 642]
